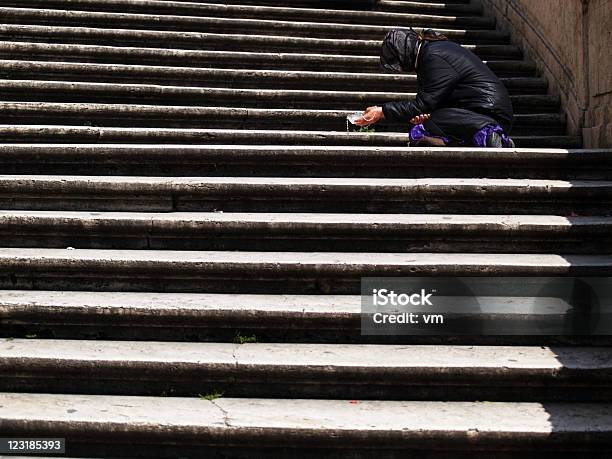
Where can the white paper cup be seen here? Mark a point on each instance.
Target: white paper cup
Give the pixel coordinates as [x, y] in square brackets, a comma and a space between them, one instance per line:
[354, 117]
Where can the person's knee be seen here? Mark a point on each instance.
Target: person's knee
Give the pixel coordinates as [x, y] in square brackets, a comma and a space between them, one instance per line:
[432, 128]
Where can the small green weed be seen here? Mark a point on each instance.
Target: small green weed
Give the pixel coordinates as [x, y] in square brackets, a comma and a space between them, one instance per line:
[215, 394]
[244, 339]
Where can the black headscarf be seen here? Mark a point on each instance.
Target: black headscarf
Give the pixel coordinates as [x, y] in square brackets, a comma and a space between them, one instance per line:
[399, 48]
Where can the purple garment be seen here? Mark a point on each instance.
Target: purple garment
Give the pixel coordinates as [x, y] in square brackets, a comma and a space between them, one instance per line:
[419, 131]
[480, 138]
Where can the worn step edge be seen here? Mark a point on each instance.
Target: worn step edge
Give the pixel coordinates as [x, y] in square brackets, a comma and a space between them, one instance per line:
[226, 310]
[380, 16]
[147, 113]
[274, 264]
[313, 188]
[285, 317]
[137, 88]
[218, 41]
[235, 59]
[34, 355]
[305, 194]
[308, 423]
[242, 223]
[268, 224]
[27, 133]
[302, 232]
[260, 79]
[142, 363]
[295, 20]
[65, 91]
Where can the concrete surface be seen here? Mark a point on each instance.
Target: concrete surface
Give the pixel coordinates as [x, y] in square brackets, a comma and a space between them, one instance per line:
[32, 355]
[324, 263]
[297, 23]
[28, 133]
[309, 423]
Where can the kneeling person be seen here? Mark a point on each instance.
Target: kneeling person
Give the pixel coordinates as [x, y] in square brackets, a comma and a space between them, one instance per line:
[460, 101]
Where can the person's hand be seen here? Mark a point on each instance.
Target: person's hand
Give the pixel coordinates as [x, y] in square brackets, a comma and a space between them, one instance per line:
[370, 116]
[420, 118]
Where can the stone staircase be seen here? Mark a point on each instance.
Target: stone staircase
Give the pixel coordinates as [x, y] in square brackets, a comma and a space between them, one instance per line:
[185, 222]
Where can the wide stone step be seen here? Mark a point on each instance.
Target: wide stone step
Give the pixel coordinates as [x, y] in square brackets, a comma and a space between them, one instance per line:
[222, 317]
[263, 272]
[141, 115]
[234, 78]
[243, 9]
[219, 41]
[387, 372]
[305, 232]
[24, 133]
[183, 24]
[74, 91]
[152, 426]
[303, 194]
[228, 59]
[210, 17]
[288, 160]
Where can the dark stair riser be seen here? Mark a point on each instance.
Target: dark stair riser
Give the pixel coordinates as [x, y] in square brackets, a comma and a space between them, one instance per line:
[286, 195]
[258, 277]
[281, 382]
[303, 161]
[185, 325]
[222, 239]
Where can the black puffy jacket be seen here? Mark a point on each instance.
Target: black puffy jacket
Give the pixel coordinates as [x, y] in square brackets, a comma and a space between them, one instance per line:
[449, 75]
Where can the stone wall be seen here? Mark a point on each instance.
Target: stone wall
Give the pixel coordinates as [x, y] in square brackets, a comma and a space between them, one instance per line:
[571, 42]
